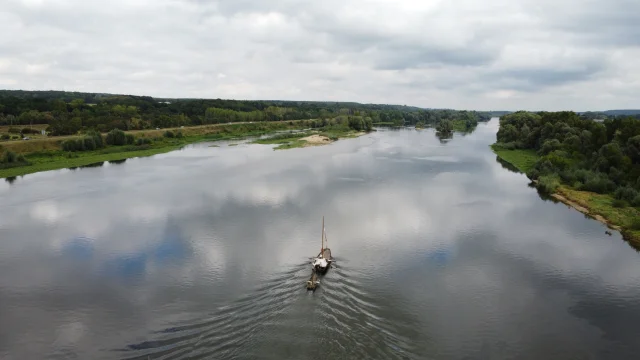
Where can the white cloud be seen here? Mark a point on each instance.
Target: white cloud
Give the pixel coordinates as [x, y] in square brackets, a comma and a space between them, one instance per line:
[494, 54]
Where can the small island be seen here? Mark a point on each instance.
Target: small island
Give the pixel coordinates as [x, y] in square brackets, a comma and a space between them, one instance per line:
[591, 166]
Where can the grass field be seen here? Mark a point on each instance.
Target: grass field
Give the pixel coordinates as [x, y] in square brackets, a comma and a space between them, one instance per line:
[521, 159]
[60, 161]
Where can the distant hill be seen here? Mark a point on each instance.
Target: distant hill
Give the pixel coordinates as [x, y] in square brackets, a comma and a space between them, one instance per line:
[612, 112]
[622, 112]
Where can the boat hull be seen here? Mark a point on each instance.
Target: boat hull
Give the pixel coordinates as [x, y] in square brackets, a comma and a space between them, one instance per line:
[326, 255]
[322, 270]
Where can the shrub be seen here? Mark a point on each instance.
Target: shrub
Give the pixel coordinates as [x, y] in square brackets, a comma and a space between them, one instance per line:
[169, 134]
[636, 201]
[130, 139]
[599, 183]
[9, 157]
[80, 145]
[14, 130]
[548, 183]
[582, 175]
[626, 193]
[617, 203]
[509, 146]
[69, 145]
[5, 137]
[549, 146]
[143, 141]
[97, 139]
[533, 173]
[116, 137]
[635, 224]
[568, 176]
[558, 159]
[179, 134]
[89, 143]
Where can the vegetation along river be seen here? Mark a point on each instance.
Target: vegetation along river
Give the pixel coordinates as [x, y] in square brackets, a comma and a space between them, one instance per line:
[441, 252]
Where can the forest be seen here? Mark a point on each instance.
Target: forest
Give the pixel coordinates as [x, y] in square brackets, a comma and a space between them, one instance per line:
[596, 156]
[69, 113]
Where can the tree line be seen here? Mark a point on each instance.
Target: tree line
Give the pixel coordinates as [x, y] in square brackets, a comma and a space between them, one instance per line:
[68, 113]
[602, 157]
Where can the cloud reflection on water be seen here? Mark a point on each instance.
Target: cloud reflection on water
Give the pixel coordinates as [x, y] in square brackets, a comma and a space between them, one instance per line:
[204, 225]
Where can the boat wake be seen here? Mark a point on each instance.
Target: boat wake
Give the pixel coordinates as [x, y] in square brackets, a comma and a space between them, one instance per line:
[281, 319]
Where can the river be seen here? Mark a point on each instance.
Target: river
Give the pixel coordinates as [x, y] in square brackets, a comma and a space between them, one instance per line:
[441, 253]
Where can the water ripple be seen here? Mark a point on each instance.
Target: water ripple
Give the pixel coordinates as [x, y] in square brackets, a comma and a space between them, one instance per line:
[340, 315]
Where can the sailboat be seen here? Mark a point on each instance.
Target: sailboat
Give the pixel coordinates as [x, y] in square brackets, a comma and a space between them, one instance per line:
[323, 261]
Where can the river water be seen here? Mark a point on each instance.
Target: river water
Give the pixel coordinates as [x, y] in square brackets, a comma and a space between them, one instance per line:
[441, 253]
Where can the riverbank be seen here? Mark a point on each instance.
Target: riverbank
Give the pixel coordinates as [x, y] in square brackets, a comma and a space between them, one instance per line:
[523, 160]
[597, 206]
[47, 154]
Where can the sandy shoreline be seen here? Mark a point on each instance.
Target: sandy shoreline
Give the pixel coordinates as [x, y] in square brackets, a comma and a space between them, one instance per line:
[585, 211]
[316, 140]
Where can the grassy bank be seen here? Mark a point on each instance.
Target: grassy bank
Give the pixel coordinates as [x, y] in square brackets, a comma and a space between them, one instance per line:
[521, 159]
[598, 206]
[59, 160]
[47, 154]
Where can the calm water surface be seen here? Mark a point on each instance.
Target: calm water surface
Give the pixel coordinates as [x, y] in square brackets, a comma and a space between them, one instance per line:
[442, 253]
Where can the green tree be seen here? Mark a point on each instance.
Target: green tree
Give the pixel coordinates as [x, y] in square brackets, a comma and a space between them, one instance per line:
[445, 127]
[633, 149]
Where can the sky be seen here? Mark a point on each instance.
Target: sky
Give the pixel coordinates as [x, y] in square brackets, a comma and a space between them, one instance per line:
[464, 54]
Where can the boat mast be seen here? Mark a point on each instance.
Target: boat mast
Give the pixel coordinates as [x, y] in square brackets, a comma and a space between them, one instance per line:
[322, 244]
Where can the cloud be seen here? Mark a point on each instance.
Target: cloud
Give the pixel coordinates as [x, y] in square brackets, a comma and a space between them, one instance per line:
[520, 54]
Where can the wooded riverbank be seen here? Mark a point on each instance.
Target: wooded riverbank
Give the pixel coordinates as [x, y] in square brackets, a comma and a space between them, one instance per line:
[597, 206]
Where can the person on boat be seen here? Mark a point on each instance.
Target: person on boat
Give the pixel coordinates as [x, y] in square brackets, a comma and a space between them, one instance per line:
[320, 262]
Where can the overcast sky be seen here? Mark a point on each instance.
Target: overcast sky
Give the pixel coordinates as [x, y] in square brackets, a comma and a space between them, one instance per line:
[464, 54]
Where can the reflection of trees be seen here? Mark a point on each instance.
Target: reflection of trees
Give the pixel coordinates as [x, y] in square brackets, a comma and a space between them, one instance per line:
[508, 166]
[444, 137]
[117, 161]
[97, 164]
[469, 130]
[11, 179]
